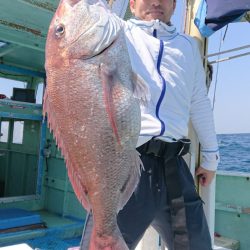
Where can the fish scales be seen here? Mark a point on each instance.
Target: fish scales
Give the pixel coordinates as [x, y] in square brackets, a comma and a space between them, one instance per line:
[93, 113]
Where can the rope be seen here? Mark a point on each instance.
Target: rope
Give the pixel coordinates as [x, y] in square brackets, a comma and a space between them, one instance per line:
[217, 68]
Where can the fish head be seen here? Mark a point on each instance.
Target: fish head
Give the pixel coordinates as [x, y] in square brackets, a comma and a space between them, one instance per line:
[75, 31]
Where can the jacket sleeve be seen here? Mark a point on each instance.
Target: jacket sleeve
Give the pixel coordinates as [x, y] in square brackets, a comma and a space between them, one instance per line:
[202, 116]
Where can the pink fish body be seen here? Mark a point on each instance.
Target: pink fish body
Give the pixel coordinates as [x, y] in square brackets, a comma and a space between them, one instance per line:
[94, 116]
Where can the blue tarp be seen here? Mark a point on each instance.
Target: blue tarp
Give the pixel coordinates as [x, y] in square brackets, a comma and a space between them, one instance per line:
[15, 217]
[212, 15]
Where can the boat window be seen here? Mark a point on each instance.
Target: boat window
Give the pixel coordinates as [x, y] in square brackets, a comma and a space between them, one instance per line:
[7, 85]
[21, 133]
[2, 44]
[19, 159]
[18, 132]
[39, 93]
[4, 131]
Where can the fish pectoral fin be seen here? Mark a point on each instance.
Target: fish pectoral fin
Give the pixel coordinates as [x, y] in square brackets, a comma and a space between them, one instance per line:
[109, 78]
[141, 89]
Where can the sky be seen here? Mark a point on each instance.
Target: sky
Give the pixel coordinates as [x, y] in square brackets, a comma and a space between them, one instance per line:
[232, 95]
[231, 78]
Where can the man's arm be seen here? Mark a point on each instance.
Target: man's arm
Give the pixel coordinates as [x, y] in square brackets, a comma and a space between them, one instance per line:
[203, 122]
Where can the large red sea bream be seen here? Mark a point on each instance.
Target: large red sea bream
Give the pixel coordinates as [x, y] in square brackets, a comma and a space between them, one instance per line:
[93, 114]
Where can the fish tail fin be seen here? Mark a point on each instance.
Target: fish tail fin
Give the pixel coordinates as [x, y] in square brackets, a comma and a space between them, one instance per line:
[107, 242]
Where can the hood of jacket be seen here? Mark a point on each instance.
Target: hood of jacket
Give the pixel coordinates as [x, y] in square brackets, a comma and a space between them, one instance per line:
[156, 28]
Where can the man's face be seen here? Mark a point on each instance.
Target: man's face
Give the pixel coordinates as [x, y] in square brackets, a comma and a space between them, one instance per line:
[153, 9]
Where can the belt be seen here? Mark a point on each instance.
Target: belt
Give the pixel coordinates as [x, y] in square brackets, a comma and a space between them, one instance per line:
[164, 149]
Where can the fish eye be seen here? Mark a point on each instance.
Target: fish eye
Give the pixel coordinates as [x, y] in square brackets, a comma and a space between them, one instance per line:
[60, 29]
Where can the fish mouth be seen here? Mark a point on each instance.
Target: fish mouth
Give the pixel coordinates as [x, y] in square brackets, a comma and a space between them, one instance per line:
[97, 22]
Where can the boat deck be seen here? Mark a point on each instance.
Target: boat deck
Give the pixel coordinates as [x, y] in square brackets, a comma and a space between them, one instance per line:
[60, 233]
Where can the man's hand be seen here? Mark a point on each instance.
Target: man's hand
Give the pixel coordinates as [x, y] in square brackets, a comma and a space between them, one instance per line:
[205, 176]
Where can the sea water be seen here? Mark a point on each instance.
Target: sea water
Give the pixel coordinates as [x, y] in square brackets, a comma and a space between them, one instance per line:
[234, 152]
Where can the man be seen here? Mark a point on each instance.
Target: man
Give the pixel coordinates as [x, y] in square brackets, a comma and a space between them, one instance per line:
[170, 64]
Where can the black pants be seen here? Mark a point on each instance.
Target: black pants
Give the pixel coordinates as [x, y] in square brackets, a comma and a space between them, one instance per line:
[149, 206]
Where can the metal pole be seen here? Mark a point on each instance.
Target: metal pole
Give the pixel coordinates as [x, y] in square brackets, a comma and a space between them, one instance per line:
[207, 193]
[228, 51]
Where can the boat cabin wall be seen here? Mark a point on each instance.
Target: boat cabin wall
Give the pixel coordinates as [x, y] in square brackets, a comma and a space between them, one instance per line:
[19, 173]
[33, 174]
[59, 195]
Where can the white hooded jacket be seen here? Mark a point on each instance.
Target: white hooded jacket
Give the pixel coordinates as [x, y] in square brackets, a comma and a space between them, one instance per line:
[170, 64]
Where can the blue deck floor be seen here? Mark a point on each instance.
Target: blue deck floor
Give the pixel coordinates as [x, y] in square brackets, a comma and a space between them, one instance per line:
[52, 243]
[60, 234]
[49, 243]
